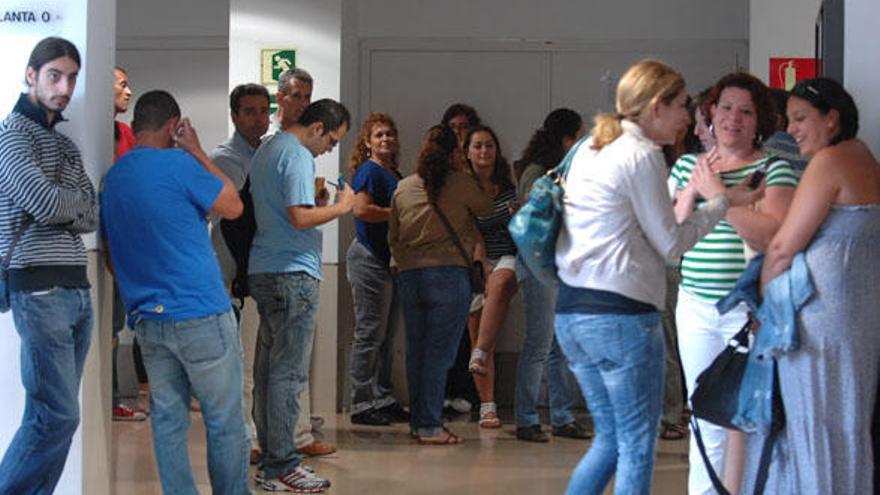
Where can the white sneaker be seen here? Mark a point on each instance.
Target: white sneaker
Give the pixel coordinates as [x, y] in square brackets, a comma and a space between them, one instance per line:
[299, 480]
[460, 405]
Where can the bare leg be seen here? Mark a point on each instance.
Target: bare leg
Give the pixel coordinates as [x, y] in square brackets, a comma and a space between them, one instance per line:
[501, 287]
[734, 460]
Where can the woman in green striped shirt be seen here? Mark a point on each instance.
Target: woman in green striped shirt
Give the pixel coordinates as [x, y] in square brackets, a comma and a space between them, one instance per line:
[742, 115]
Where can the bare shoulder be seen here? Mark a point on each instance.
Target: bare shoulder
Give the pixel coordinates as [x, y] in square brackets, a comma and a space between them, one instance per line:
[851, 168]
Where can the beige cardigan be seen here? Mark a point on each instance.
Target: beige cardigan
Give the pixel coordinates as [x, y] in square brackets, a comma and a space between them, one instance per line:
[416, 234]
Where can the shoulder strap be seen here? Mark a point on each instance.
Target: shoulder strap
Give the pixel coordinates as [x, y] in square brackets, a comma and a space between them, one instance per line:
[18, 235]
[561, 170]
[452, 234]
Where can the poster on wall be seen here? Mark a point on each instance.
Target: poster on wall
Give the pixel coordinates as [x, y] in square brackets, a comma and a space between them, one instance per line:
[785, 72]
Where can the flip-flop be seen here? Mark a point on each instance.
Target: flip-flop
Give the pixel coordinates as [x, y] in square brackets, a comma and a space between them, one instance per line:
[449, 439]
[672, 431]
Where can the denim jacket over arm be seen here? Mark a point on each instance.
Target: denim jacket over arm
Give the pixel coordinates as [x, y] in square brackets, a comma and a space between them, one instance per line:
[784, 296]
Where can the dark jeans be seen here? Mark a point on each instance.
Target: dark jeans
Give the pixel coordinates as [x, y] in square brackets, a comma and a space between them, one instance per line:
[435, 304]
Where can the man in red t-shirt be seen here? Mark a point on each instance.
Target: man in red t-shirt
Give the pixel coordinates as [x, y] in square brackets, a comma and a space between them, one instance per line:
[123, 138]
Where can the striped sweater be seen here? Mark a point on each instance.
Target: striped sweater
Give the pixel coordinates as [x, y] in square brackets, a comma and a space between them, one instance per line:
[42, 177]
[712, 267]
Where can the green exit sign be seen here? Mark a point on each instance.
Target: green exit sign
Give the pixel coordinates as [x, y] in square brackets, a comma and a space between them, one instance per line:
[274, 61]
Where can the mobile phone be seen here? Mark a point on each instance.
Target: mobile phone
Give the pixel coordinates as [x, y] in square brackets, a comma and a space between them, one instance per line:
[341, 181]
[758, 175]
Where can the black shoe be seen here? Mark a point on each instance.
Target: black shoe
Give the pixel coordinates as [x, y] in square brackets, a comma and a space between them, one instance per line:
[370, 417]
[395, 413]
[572, 430]
[531, 433]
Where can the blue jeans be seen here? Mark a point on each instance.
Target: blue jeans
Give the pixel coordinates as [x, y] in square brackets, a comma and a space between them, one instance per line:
[200, 357]
[288, 307]
[375, 310]
[541, 353]
[435, 303]
[55, 328]
[618, 361]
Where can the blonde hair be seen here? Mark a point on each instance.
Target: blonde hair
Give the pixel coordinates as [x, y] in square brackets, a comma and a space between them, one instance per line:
[638, 88]
[361, 150]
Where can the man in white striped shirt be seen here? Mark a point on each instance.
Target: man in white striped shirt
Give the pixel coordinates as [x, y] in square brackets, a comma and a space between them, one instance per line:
[46, 202]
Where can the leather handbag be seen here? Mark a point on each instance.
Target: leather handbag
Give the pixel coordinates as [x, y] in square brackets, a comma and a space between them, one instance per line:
[535, 226]
[716, 394]
[716, 399]
[476, 273]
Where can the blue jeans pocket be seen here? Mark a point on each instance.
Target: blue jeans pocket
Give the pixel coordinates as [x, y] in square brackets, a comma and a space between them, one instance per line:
[202, 339]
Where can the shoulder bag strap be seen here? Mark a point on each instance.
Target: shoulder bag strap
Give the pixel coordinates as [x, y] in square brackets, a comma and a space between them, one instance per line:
[452, 234]
[561, 170]
[7, 258]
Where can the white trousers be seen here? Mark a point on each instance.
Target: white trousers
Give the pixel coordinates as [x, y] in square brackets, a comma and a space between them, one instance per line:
[702, 335]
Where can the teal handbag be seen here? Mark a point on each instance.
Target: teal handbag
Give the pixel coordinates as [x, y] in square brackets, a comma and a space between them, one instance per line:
[535, 227]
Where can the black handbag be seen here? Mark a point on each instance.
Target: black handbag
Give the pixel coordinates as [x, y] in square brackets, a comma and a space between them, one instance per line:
[716, 394]
[716, 399]
[476, 273]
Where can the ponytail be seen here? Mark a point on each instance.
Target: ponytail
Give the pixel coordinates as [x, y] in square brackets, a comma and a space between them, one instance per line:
[606, 129]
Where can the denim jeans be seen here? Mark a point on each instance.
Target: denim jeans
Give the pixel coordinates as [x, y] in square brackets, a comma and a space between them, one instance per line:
[541, 353]
[55, 329]
[288, 307]
[200, 357]
[618, 360]
[435, 304]
[375, 310]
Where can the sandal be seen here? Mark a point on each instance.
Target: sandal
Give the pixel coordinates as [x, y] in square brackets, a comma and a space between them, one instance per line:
[477, 364]
[489, 415]
[672, 431]
[445, 438]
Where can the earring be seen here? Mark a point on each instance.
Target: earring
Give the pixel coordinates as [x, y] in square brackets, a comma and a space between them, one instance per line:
[369, 152]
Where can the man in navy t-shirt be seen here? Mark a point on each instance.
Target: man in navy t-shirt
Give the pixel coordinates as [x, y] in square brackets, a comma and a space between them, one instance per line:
[154, 210]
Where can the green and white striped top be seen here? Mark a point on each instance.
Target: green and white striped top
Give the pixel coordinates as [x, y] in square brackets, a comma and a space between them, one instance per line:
[711, 268]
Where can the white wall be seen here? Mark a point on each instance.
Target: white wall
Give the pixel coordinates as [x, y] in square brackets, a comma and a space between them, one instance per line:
[551, 19]
[313, 29]
[181, 47]
[89, 24]
[861, 66]
[781, 28]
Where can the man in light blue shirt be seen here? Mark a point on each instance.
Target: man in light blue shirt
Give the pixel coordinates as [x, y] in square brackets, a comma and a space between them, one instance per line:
[285, 273]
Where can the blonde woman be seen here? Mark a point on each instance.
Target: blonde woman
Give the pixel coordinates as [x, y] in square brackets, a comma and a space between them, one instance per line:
[618, 230]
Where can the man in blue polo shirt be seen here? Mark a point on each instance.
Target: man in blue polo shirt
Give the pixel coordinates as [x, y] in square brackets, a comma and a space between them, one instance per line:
[154, 209]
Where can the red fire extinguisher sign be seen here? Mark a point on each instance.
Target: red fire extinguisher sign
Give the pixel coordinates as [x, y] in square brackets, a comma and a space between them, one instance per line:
[785, 72]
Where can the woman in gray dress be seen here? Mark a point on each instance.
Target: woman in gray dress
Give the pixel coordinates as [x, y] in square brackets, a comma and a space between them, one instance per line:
[829, 383]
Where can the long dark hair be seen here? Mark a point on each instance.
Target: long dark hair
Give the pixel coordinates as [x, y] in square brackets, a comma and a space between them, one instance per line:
[435, 161]
[545, 147]
[501, 171]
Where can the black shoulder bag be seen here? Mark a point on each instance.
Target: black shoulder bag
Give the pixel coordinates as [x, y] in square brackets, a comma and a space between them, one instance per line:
[716, 398]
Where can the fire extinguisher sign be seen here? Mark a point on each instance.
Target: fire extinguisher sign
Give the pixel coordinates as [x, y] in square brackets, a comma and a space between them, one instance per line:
[785, 72]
